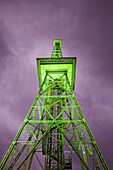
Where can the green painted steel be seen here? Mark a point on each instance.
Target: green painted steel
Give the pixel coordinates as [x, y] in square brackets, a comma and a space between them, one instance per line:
[54, 133]
[55, 67]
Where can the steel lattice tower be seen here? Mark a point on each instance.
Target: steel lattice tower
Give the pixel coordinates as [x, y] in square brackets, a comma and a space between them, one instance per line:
[54, 133]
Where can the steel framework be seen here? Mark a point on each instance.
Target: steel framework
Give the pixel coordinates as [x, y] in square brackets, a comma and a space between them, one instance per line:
[54, 133]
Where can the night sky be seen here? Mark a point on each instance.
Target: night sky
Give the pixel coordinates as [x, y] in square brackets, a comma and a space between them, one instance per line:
[27, 30]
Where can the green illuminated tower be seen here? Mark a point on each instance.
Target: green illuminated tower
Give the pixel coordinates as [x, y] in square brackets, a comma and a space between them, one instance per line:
[54, 134]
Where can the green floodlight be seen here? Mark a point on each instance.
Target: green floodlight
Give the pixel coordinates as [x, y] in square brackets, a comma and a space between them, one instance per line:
[56, 66]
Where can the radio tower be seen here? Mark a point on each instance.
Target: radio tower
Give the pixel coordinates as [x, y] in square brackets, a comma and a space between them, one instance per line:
[54, 134]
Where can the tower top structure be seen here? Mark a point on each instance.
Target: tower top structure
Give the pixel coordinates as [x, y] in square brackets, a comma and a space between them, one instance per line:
[56, 53]
[57, 65]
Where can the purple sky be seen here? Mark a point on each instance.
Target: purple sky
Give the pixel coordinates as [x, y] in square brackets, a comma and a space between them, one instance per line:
[27, 29]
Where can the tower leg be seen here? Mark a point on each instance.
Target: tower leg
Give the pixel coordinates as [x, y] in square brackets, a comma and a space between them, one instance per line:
[54, 127]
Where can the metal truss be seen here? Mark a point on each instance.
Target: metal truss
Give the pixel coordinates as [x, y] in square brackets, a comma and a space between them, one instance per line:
[54, 133]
